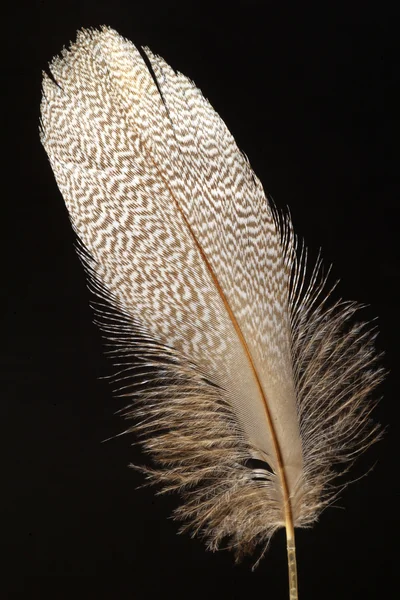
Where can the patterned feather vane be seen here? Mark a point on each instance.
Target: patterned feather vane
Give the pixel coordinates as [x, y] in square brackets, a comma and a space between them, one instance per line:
[244, 386]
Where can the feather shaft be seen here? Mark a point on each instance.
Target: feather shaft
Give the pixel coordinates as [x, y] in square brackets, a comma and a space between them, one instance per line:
[280, 464]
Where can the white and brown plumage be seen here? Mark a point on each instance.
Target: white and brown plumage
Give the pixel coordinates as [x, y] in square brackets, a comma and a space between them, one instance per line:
[242, 360]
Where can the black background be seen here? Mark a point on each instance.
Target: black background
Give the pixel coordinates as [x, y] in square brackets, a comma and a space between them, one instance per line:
[313, 99]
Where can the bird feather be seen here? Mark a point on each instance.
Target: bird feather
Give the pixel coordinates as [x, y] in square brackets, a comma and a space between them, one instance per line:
[245, 386]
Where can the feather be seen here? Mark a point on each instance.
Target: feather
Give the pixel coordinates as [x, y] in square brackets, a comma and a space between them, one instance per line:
[245, 386]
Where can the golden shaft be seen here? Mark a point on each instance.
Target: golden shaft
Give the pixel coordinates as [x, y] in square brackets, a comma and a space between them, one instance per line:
[292, 565]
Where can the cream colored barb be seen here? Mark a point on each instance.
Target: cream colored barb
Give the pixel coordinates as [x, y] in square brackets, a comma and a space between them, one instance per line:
[206, 297]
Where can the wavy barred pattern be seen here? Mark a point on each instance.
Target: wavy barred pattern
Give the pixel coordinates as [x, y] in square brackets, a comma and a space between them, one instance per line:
[241, 358]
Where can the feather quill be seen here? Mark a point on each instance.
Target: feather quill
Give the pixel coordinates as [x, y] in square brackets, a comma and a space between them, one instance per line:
[244, 385]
